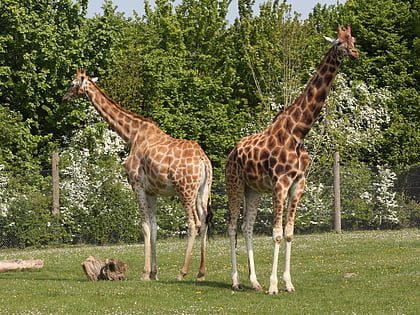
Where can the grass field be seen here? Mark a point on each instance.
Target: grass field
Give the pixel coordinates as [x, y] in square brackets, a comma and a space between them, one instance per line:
[386, 264]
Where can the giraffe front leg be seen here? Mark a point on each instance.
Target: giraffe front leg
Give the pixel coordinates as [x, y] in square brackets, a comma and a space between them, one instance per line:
[287, 279]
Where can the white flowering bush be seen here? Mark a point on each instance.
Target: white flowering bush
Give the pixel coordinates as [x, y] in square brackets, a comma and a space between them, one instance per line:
[97, 203]
[382, 199]
[316, 208]
[3, 185]
[351, 122]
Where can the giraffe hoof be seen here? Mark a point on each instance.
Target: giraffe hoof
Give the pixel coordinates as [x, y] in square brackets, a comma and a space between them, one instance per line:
[289, 289]
[257, 288]
[180, 277]
[237, 287]
[149, 276]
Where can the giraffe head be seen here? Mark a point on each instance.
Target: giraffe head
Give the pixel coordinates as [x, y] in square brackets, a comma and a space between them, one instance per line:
[78, 86]
[344, 43]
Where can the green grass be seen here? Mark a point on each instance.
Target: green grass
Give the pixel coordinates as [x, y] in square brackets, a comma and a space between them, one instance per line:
[387, 265]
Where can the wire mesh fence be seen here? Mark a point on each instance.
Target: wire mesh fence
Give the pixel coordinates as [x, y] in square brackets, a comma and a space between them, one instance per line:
[100, 208]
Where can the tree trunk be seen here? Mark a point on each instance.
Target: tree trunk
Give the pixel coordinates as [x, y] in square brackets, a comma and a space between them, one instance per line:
[19, 264]
[111, 269]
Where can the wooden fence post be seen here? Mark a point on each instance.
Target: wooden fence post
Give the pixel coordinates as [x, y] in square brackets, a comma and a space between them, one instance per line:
[56, 185]
[337, 194]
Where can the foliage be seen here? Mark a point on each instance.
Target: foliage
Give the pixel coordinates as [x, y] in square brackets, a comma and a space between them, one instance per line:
[389, 59]
[351, 123]
[38, 45]
[97, 203]
[379, 260]
[201, 78]
[25, 212]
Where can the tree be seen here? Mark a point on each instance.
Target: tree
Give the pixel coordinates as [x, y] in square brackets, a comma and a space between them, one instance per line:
[38, 46]
[389, 59]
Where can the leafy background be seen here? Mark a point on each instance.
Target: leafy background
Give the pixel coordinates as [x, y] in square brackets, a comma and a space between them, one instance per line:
[205, 79]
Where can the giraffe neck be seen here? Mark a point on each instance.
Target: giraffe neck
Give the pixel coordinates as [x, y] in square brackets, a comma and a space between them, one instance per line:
[300, 116]
[122, 121]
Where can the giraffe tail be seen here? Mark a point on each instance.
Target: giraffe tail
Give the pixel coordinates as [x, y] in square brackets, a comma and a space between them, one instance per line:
[209, 220]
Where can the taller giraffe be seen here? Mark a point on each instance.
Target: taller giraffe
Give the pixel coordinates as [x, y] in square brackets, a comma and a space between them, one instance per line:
[274, 161]
[157, 165]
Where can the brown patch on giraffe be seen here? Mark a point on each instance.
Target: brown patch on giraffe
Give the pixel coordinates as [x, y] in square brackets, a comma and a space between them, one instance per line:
[300, 131]
[272, 161]
[324, 69]
[328, 79]
[275, 152]
[250, 167]
[264, 154]
[187, 152]
[271, 143]
[318, 82]
[307, 116]
[279, 169]
[310, 94]
[321, 96]
[283, 155]
[296, 114]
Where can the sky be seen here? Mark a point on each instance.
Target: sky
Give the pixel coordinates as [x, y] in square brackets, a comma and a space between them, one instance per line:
[127, 6]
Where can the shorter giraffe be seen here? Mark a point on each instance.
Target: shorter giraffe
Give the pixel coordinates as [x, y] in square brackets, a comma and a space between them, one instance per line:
[157, 165]
[275, 161]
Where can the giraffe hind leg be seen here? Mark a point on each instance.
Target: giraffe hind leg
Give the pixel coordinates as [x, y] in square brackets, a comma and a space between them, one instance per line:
[234, 196]
[252, 200]
[203, 208]
[295, 194]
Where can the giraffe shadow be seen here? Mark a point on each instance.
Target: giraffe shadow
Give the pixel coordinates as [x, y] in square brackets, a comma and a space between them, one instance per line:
[204, 283]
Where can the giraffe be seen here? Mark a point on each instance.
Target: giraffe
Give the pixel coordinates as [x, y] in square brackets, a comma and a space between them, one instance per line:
[274, 161]
[156, 165]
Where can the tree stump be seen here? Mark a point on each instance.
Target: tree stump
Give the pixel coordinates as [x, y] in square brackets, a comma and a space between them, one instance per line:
[111, 269]
[19, 264]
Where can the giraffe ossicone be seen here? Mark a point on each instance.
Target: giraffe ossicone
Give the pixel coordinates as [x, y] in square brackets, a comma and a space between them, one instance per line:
[156, 165]
[275, 161]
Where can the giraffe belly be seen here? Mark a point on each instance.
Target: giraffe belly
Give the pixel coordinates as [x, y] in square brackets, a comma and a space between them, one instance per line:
[262, 184]
[159, 188]
[155, 183]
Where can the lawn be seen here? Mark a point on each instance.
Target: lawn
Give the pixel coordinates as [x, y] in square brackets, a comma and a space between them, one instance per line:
[386, 265]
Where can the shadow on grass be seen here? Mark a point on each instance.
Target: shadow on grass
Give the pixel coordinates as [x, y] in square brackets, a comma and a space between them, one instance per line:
[205, 283]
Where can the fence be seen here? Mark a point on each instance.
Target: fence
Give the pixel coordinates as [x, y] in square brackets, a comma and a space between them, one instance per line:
[97, 206]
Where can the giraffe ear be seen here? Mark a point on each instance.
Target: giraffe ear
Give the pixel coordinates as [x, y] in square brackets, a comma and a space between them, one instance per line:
[332, 41]
[94, 79]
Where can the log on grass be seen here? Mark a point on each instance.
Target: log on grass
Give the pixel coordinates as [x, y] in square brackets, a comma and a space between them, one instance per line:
[112, 269]
[19, 264]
